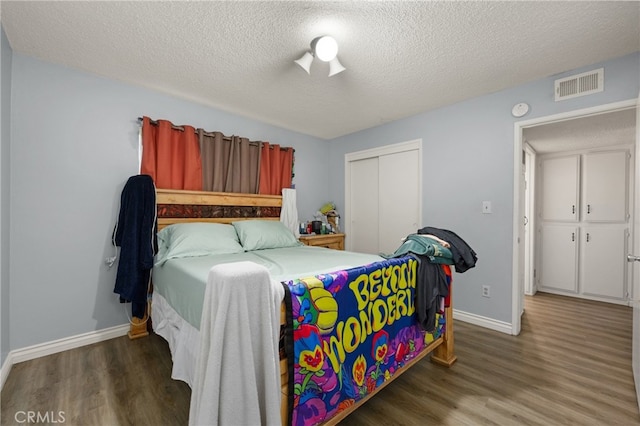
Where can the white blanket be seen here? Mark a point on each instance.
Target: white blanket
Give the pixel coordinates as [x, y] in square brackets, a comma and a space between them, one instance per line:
[237, 379]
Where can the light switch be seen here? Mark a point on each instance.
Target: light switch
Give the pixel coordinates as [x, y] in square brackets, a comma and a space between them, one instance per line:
[486, 207]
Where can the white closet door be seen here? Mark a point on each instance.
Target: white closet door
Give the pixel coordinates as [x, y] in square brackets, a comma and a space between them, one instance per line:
[384, 199]
[364, 224]
[399, 196]
[558, 257]
[605, 187]
[560, 188]
[604, 260]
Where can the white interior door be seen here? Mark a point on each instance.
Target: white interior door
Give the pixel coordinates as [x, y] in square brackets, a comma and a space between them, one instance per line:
[522, 240]
[364, 201]
[636, 269]
[529, 219]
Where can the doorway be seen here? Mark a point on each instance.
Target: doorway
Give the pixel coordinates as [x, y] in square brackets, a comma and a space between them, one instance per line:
[520, 249]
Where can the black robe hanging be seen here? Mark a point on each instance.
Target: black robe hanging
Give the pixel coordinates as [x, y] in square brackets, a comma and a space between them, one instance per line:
[135, 235]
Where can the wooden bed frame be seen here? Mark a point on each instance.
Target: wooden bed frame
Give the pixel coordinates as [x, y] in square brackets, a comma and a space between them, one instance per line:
[179, 206]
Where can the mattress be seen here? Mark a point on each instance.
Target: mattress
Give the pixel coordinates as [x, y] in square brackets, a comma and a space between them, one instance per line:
[181, 282]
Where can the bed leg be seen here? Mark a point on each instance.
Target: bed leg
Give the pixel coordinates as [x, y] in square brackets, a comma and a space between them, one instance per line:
[284, 386]
[137, 328]
[444, 354]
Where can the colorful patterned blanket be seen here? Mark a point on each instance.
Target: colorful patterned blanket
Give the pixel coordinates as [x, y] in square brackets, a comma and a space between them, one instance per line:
[352, 331]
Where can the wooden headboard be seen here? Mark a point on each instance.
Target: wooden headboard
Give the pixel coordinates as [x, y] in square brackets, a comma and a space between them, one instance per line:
[179, 206]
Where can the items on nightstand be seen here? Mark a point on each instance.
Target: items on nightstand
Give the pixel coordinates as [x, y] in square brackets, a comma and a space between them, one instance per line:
[334, 220]
[331, 215]
[316, 227]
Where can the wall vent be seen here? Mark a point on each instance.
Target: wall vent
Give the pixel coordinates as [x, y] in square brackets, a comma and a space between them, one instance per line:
[579, 85]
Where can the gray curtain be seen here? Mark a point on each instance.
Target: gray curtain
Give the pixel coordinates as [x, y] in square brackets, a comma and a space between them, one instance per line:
[229, 163]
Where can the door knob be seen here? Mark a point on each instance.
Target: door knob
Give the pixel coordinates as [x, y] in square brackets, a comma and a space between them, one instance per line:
[632, 258]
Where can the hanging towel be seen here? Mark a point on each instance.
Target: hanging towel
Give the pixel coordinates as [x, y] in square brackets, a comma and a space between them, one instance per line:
[289, 211]
[237, 380]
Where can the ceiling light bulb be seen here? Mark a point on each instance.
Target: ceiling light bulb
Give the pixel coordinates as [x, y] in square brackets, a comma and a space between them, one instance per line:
[326, 48]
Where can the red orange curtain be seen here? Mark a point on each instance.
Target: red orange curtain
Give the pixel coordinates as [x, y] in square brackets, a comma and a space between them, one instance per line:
[171, 156]
[276, 165]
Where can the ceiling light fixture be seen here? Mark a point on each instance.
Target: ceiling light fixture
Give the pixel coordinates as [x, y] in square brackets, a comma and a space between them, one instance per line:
[324, 48]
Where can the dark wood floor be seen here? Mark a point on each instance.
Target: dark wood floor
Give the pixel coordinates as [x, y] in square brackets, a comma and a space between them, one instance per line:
[571, 365]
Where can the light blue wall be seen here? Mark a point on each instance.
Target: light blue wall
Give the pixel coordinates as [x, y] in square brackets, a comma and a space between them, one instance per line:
[74, 143]
[468, 157]
[5, 134]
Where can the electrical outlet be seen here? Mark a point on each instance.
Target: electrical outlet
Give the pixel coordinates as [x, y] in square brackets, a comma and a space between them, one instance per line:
[486, 291]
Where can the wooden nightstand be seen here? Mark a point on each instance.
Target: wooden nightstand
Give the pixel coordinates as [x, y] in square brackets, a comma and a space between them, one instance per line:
[332, 241]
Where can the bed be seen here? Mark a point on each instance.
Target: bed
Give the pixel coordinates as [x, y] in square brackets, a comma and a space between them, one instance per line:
[346, 318]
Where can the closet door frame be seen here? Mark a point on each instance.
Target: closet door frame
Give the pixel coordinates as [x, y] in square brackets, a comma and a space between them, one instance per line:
[411, 145]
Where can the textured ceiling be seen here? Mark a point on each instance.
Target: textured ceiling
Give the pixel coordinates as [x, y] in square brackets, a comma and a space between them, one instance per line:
[402, 58]
[614, 128]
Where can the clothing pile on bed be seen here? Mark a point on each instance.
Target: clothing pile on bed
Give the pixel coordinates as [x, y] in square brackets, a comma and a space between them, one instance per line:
[434, 247]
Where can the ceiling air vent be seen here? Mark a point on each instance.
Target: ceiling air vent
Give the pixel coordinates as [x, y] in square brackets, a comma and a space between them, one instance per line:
[580, 85]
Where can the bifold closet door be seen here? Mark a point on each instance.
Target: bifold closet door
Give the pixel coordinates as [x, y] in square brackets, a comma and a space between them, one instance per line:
[399, 186]
[364, 224]
[384, 200]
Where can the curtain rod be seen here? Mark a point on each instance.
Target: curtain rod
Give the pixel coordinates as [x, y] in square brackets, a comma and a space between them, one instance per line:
[173, 126]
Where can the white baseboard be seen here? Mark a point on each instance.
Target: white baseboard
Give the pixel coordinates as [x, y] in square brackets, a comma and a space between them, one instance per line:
[6, 368]
[493, 324]
[60, 345]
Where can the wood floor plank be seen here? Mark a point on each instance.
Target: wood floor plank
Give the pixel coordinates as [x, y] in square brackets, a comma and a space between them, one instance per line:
[571, 365]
